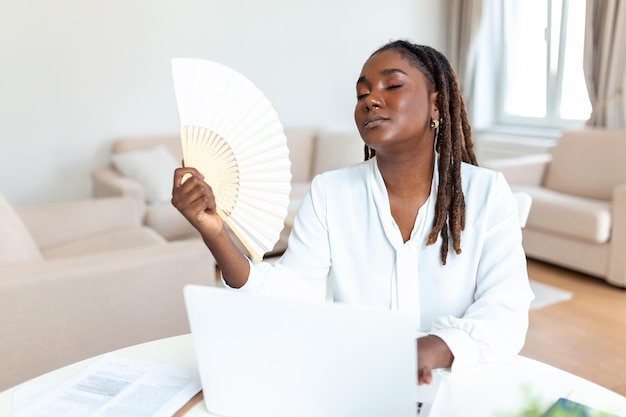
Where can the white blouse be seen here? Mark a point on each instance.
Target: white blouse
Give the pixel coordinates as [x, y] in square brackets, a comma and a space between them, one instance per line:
[344, 234]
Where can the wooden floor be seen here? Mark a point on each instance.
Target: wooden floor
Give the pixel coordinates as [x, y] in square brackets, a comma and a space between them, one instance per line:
[585, 335]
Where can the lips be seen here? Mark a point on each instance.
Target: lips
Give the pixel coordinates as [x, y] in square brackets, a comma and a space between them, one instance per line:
[374, 121]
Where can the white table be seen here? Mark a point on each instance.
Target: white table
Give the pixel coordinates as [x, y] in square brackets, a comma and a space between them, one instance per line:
[497, 391]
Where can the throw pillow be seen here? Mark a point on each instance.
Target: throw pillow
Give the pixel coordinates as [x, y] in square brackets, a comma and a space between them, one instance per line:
[153, 168]
[16, 243]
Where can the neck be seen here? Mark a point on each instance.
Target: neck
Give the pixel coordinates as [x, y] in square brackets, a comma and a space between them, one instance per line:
[408, 178]
[407, 175]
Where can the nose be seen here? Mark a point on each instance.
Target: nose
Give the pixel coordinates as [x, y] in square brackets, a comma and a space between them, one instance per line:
[373, 101]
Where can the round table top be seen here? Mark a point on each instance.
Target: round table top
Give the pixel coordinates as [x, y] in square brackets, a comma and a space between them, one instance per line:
[502, 390]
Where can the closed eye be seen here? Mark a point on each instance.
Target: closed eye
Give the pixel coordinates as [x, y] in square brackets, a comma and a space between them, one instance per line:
[394, 86]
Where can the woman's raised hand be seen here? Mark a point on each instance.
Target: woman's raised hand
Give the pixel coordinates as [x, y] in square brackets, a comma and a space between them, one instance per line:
[195, 200]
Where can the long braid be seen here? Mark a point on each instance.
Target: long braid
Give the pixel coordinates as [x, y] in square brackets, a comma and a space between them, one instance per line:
[453, 142]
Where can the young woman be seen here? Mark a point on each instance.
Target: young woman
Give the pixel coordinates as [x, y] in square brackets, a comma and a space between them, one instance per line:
[381, 230]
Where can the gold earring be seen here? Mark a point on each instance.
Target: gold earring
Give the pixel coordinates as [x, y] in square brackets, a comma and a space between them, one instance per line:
[434, 123]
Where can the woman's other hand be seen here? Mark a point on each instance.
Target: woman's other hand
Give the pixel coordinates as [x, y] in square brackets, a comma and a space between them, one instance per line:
[432, 353]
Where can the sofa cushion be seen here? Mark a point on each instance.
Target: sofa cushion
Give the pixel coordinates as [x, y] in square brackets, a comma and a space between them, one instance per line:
[568, 216]
[171, 142]
[57, 223]
[153, 168]
[169, 223]
[337, 150]
[588, 163]
[16, 243]
[124, 238]
[301, 145]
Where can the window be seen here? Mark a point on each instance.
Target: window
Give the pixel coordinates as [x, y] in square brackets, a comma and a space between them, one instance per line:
[542, 81]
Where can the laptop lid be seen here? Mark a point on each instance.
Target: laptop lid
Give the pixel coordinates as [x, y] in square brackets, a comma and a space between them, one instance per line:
[265, 356]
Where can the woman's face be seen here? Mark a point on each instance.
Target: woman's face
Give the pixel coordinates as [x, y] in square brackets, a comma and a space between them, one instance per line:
[394, 107]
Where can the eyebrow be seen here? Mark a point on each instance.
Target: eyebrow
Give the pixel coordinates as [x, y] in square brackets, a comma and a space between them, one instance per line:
[387, 71]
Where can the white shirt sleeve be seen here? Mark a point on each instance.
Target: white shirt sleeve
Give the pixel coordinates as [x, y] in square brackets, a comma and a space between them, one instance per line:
[301, 273]
[493, 328]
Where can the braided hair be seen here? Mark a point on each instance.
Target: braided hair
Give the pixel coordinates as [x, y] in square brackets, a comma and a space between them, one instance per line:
[453, 140]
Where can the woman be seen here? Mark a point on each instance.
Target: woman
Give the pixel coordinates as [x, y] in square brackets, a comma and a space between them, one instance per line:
[381, 229]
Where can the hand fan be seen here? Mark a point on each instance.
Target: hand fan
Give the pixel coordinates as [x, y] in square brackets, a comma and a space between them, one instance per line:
[230, 133]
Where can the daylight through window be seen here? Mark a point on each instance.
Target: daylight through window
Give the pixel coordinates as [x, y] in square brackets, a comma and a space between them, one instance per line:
[542, 79]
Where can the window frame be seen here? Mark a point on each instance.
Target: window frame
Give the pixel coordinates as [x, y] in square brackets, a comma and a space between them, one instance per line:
[554, 81]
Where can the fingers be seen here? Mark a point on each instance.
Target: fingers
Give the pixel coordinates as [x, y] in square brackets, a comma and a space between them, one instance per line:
[182, 174]
[195, 200]
[191, 193]
[424, 375]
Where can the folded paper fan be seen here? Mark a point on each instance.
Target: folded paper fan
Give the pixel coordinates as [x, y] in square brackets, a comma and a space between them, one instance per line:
[231, 133]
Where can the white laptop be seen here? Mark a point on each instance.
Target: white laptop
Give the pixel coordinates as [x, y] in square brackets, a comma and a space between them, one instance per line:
[261, 356]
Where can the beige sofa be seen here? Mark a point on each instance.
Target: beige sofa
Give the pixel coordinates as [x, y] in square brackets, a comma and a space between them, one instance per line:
[82, 278]
[578, 214]
[311, 151]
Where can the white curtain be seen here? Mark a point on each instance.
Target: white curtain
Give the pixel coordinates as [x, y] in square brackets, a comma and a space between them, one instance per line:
[605, 62]
[465, 17]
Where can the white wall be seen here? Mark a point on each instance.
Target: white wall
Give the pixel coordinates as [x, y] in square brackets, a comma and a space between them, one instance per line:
[76, 74]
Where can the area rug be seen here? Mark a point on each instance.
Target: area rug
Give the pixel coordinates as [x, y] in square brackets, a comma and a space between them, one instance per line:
[546, 295]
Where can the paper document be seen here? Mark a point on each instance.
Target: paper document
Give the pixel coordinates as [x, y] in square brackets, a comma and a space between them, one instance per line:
[116, 386]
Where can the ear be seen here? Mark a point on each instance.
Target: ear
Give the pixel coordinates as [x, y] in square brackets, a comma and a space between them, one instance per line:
[434, 100]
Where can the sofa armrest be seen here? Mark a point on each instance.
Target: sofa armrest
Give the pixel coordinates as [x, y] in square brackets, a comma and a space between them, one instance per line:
[57, 223]
[617, 260]
[107, 182]
[523, 170]
[53, 313]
